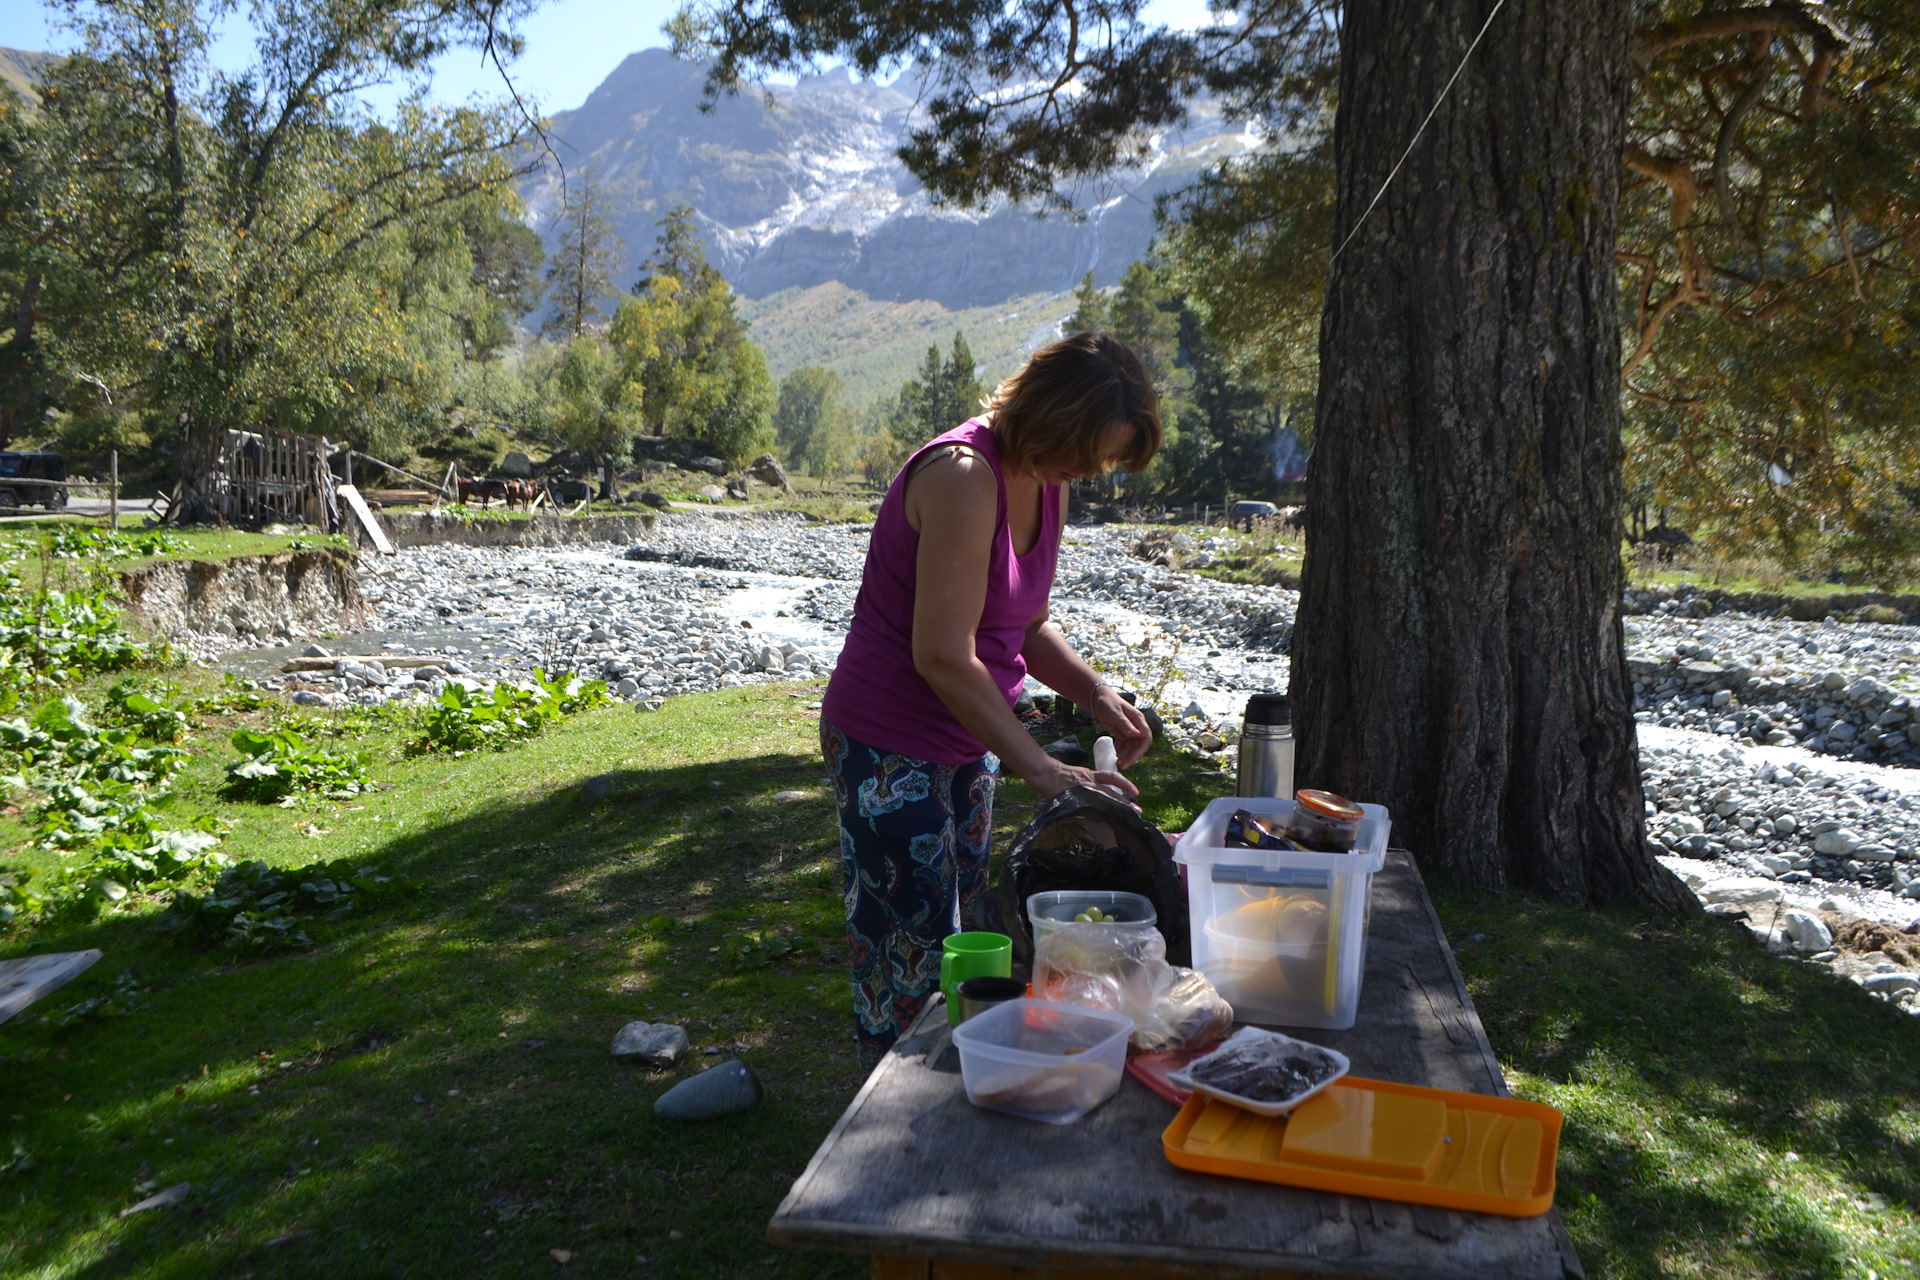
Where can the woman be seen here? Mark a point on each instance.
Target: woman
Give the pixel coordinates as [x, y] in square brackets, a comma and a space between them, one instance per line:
[952, 615]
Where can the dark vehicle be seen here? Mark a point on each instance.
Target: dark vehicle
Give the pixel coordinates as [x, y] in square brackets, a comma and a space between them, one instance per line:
[15, 467]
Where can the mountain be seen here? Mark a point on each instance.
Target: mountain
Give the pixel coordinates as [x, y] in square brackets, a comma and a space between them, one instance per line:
[875, 346]
[22, 70]
[800, 188]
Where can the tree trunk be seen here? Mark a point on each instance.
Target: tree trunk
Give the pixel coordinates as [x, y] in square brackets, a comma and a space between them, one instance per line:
[1459, 654]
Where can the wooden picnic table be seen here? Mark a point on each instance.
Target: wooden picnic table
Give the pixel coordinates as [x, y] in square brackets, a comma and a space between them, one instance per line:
[937, 1189]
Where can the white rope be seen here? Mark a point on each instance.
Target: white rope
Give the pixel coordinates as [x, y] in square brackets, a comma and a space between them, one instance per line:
[1361, 221]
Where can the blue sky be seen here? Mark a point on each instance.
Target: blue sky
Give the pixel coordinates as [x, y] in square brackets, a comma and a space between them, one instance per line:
[572, 45]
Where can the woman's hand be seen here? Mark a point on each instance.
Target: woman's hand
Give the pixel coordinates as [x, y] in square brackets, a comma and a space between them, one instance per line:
[1059, 777]
[1120, 718]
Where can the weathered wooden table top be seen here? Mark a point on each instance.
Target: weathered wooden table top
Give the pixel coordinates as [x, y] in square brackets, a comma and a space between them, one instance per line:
[912, 1169]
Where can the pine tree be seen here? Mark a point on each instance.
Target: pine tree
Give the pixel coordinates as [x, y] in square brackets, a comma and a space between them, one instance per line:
[1090, 308]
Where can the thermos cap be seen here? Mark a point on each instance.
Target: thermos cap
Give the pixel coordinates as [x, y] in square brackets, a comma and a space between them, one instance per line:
[1269, 708]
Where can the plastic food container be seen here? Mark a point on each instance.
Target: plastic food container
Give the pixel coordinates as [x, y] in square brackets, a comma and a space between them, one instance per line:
[1282, 933]
[1048, 911]
[1042, 1061]
[1338, 1065]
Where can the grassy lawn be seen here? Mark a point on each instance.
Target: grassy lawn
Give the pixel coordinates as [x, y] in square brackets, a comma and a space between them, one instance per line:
[426, 1089]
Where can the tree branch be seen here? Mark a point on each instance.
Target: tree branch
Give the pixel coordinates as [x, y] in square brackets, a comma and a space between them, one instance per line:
[1803, 15]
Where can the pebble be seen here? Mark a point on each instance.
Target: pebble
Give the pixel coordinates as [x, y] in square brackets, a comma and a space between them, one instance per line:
[658, 1044]
[715, 1092]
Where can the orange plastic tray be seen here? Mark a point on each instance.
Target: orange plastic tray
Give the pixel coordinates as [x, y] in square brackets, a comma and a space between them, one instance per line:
[1393, 1141]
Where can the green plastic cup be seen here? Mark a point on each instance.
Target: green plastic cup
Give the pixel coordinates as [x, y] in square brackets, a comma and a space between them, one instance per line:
[972, 955]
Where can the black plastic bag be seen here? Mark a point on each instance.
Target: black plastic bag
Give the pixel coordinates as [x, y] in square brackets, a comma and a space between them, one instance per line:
[1085, 838]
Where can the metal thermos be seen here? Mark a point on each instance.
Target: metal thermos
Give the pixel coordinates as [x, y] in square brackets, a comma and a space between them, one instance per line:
[1266, 747]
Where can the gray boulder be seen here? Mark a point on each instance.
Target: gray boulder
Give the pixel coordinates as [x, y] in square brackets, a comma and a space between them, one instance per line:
[654, 500]
[712, 493]
[767, 470]
[1836, 844]
[515, 466]
[713, 466]
[654, 1044]
[718, 1091]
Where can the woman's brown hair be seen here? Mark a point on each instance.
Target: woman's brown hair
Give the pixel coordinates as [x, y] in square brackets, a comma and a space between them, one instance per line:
[1057, 408]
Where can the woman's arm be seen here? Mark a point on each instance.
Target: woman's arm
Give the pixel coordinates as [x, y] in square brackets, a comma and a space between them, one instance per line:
[954, 502]
[1053, 663]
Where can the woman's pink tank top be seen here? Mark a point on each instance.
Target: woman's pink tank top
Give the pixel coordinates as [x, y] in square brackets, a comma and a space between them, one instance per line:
[876, 696]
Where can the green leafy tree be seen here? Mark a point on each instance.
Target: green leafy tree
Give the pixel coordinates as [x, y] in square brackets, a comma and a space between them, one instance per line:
[580, 275]
[810, 421]
[598, 409]
[222, 251]
[685, 345]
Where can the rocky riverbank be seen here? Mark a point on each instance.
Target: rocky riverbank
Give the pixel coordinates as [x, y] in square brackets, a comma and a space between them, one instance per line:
[1752, 777]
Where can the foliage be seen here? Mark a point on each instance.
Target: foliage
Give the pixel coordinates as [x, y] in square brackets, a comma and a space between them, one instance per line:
[461, 720]
[810, 422]
[75, 542]
[680, 340]
[208, 250]
[1090, 313]
[58, 635]
[580, 274]
[130, 705]
[945, 395]
[253, 905]
[277, 763]
[1770, 278]
[598, 409]
[61, 743]
[506, 278]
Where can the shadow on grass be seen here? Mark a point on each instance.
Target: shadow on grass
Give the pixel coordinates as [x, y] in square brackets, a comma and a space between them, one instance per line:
[1728, 1113]
[429, 1092]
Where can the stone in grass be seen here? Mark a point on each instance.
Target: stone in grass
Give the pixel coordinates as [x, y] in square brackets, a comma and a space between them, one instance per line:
[715, 1092]
[172, 1196]
[602, 786]
[656, 1044]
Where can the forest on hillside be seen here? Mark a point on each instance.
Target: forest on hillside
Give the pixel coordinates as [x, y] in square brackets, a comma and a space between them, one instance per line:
[185, 250]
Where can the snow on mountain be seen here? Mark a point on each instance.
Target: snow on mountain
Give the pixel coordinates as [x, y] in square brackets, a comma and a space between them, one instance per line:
[802, 187]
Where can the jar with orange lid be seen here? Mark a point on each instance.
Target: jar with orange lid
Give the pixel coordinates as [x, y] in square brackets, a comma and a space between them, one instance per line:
[1324, 821]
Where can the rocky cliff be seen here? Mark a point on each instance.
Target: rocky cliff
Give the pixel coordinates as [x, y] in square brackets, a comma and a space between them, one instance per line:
[804, 188]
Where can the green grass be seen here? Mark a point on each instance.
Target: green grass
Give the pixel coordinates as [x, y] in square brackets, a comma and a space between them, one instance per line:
[1688, 1064]
[1728, 1114]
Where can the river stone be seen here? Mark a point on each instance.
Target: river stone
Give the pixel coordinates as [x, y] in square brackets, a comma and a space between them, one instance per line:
[657, 1044]
[1785, 825]
[1873, 853]
[1808, 931]
[718, 1091]
[315, 651]
[1685, 824]
[1891, 983]
[1740, 891]
[1836, 844]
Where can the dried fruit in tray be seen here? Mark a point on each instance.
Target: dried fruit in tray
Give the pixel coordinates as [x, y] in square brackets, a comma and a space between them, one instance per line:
[1264, 1071]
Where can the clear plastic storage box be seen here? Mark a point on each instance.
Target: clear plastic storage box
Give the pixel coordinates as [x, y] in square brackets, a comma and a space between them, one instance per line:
[1042, 1061]
[1281, 933]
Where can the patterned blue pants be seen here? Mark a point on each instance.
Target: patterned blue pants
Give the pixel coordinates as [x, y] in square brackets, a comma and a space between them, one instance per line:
[915, 839]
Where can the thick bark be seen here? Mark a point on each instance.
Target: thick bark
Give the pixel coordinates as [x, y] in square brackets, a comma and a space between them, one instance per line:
[1459, 652]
